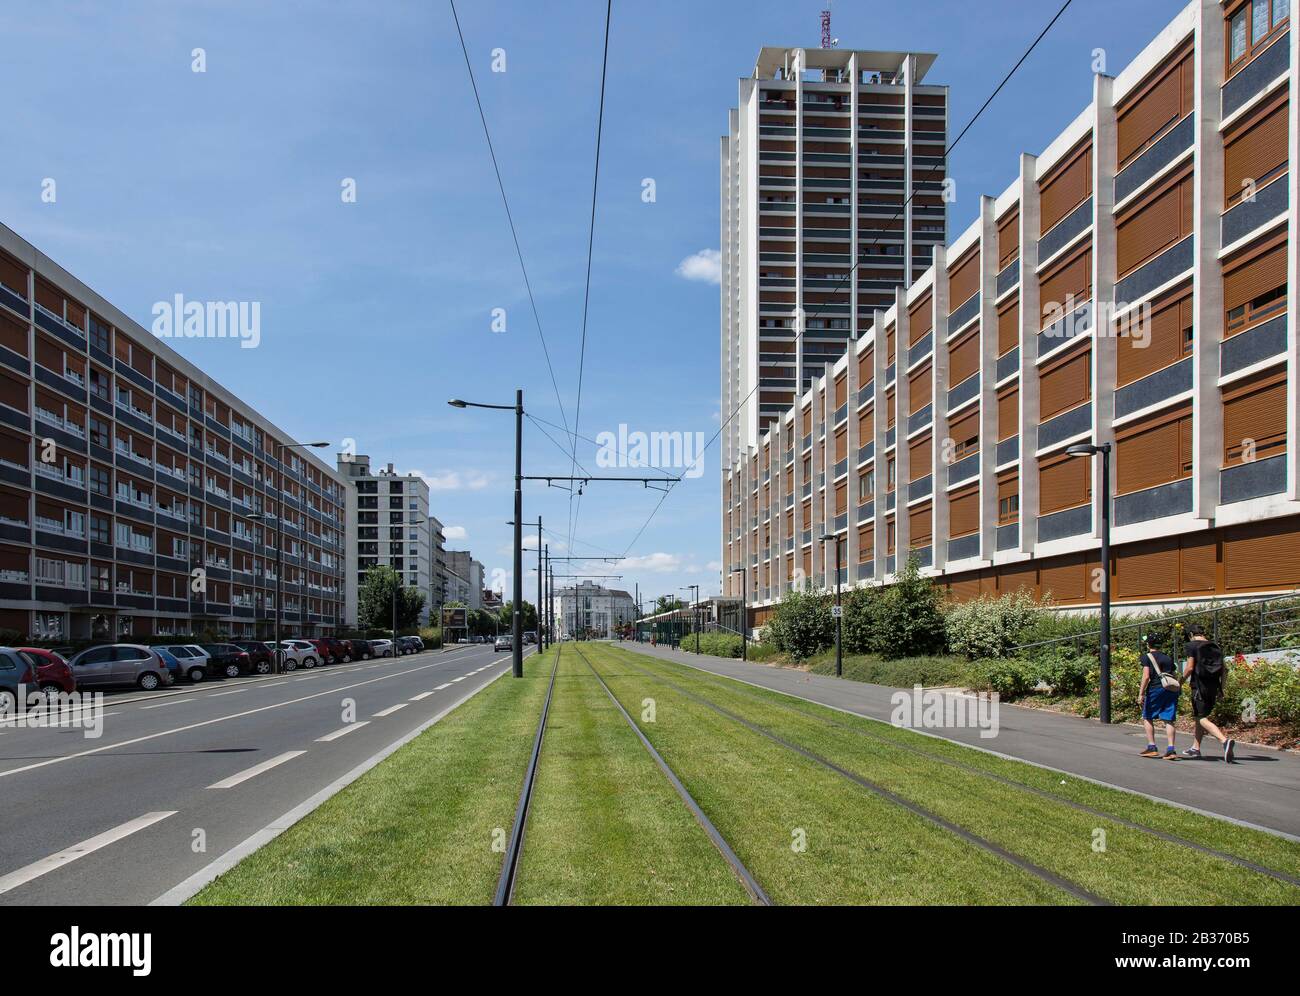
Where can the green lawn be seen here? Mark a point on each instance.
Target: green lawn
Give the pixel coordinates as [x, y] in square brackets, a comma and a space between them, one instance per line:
[1051, 834]
[605, 825]
[416, 829]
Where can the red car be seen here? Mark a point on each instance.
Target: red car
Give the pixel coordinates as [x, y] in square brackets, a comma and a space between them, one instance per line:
[327, 655]
[52, 671]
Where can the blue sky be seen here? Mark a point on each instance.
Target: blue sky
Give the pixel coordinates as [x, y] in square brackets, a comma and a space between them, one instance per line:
[226, 185]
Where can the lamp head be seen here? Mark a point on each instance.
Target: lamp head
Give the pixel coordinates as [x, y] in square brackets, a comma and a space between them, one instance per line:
[456, 403]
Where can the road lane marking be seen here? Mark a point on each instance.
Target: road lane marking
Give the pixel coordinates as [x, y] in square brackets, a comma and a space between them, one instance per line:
[391, 709]
[330, 737]
[160, 705]
[256, 770]
[38, 868]
[233, 691]
[441, 687]
[461, 678]
[421, 696]
[206, 722]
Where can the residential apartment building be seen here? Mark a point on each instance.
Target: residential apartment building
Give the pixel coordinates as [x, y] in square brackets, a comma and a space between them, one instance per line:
[388, 526]
[821, 148]
[1129, 288]
[592, 609]
[464, 579]
[437, 567]
[138, 497]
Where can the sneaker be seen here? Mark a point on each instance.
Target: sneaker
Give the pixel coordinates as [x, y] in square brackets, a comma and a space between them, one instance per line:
[1171, 754]
[1229, 750]
[1191, 752]
[1151, 751]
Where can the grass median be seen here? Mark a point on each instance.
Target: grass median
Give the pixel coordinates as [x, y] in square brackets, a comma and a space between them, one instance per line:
[1093, 849]
[418, 828]
[605, 826]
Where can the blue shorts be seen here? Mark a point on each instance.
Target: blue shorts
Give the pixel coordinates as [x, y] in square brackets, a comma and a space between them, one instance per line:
[1161, 703]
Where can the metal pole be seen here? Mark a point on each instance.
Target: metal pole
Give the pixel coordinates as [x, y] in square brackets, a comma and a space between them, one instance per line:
[279, 575]
[839, 616]
[1104, 654]
[744, 614]
[517, 649]
[539, 584]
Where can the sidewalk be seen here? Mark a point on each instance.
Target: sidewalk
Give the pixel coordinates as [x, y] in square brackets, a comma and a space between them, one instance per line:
[1261, 789]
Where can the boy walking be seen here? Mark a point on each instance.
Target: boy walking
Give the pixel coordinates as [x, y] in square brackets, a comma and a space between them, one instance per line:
[1158, 698]
[1205, 669]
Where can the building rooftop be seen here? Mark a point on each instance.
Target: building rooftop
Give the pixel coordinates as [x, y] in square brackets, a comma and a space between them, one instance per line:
[772, 60]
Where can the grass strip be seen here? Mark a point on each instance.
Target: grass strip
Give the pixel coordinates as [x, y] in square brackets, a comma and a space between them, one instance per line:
[425, 826]
[1105, 857]
[606, 827]
[808, 835]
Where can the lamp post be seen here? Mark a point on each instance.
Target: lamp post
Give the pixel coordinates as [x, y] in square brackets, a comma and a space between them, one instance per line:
[517, 650]
[695, 611]
[744, 612]
[839, 609]
[279, 553]
[1090, 450]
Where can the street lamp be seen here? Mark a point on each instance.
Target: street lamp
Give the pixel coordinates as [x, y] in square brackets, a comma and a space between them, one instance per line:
[1090, 450]
[279, 552]
[695, 611]
[744, 612]
[517, 650]
[839, 610]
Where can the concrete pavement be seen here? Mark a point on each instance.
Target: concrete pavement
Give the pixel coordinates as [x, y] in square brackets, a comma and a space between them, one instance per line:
[181, 776]
[1261, 790]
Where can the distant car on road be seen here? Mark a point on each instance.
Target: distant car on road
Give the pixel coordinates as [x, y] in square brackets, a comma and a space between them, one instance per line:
[530, 636]
[52, 671]
[228, 659]
[340, 650]
[361, 650]
[502, 643]
[408, 645]
[259, 655]
[17, 676]
[119, 664]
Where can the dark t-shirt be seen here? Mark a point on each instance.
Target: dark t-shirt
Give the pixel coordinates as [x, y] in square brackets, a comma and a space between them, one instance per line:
[1197, 649]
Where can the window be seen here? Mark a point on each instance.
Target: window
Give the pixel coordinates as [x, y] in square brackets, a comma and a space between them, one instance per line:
[98, 529]
[99, 434]
[1254, 290]
[891, 474]
[866, 485]
[99, 335]
[1009, 509]
[1255, 153]
[1154, 107]
[99, 480]
[1254, 419]
[1251, 26]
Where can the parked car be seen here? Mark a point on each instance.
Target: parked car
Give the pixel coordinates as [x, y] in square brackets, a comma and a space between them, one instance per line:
[381, 648]
[502, 643]
[294, 657]
[323, 650]
[310, 655]
[170, 662]
[119, 664]
[229, 659]
[52, 671]
[361, 650]
[340, 650]
[260, 659]
[17, 676]
[196, 663]
[407, 645]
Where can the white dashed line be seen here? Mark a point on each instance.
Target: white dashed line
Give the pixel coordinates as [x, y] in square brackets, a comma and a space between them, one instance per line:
[441, 687]
[390, 710]
[422, 695]
[343, 732]
[38, 868]
[256, 770]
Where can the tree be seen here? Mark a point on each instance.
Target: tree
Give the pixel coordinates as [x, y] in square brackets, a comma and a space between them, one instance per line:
[667, 603]
[375, 601]
[529, 617]
[801, 626]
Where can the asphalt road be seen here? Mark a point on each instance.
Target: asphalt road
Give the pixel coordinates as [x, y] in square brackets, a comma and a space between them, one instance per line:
[182, 775]
[1261, 789]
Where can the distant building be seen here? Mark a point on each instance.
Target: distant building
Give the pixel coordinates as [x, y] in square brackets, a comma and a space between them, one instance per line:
[437, 567]
[465, 578]
[593, 610]
[387, 525]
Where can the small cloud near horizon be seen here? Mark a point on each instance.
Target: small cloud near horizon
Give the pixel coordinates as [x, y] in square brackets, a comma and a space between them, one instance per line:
[704, 266]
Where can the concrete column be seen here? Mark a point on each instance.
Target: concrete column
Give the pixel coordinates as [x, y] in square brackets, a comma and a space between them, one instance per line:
[1293, 279]
[854, 76]
[988, 399]
[1030, 315]
[902, 401]
[939, 405]
[1104, 139]
[851, 445]
[800, 320]
[909, 73]
[878, 420]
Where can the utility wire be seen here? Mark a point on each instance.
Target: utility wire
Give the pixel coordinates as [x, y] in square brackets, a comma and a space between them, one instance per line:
[586, 297]
[514, 234]
[907, 263]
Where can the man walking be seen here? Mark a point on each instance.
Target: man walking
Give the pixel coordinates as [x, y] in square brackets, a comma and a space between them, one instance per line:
[1158, 698]
[1205, 669]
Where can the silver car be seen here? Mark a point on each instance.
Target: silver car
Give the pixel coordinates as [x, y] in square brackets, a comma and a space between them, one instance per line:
[194, 660]
[292, 656]
[119, 664]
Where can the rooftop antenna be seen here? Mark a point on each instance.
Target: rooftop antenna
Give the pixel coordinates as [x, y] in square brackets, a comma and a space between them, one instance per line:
[827, 40]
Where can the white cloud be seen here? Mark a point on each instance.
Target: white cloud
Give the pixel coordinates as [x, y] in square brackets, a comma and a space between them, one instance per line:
[705, 266]
[455, 480]
[456, 533]
[655, 563]
[713, 565]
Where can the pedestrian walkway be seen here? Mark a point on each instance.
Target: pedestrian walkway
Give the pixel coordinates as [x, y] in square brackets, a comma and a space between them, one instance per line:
[1262, 789]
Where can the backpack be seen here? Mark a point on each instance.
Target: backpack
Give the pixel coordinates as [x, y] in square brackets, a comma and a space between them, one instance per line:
[1209, 664]
[1169, 680]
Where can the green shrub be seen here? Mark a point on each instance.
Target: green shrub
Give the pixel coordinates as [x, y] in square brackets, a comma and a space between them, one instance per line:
[1064, 671]
[713, 644]
[902, 672]
[801, 625]
[906, 618]
[989, 626]
[1010, 677]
